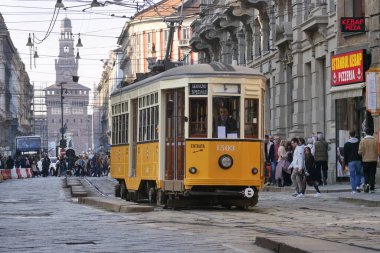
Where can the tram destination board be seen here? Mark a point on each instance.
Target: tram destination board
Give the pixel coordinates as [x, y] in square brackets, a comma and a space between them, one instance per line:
[198, 89]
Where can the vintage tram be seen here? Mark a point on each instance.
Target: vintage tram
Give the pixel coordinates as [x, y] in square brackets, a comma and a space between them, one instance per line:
[190, 135]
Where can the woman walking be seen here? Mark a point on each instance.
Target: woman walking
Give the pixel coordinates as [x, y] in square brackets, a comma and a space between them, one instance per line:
[282, 164]
[311, 171]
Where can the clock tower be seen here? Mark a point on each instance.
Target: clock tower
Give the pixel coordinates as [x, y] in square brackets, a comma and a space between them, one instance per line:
[66, 65]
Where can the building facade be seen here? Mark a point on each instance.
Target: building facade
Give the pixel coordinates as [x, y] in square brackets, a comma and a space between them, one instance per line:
[291, 42]
[111, 80]
[16, 94]
[144, 39]
[75, 99]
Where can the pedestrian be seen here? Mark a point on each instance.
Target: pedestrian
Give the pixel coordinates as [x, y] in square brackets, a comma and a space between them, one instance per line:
[298, 167]
[45, 166]
[310, 144]
[269, 158]
[353, 160]
[368, 151]
[10, 162]
[311, 172]
[321, 157]
[34, 168]
[282, 164]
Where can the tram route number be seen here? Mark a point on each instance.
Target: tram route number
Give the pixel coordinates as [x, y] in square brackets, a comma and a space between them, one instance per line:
[225, 148]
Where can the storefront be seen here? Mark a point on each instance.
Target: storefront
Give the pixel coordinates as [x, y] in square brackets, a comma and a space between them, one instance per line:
[348, 92]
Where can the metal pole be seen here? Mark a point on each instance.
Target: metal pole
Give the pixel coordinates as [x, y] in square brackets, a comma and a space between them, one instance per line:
[62, 111]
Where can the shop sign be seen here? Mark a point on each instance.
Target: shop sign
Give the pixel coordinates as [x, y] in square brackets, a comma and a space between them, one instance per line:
[373, 92]
[347, 68]
[198, 89]
[352, 24]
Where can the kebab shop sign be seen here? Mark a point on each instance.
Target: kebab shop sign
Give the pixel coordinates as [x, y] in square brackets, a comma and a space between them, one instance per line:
[347, 68]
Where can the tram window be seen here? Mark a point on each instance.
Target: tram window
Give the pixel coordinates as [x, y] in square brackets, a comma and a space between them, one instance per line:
[251, 118]
[198, 117]
[226, 112]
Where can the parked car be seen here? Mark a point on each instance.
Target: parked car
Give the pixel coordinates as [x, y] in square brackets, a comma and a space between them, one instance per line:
[52, 169]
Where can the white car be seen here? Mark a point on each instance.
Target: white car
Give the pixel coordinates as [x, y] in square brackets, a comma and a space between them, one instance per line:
[53, 161]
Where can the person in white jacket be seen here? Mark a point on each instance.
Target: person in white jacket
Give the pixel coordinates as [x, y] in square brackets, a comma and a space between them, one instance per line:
[297, 165]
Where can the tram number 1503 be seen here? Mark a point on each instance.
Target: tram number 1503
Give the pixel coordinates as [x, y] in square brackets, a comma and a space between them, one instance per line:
[225, 148]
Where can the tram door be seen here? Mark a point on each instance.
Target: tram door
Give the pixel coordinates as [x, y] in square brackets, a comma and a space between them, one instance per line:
[175, 139]
[133, 143]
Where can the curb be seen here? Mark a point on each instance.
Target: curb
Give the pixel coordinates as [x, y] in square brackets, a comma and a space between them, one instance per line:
[310, 190]
[114, 205]
[276, 246]
[365, 202]
[77, 190]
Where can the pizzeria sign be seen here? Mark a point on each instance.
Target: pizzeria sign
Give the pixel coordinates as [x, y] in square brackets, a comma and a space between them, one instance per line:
[347, 68]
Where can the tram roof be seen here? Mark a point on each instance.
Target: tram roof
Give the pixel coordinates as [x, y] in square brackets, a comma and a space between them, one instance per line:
[211, 69]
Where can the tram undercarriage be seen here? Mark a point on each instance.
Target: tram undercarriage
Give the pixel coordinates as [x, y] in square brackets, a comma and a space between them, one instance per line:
[198, 196]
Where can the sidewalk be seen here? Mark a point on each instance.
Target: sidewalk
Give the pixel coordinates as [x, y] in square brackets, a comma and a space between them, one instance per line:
[367, 199]
[295, 244]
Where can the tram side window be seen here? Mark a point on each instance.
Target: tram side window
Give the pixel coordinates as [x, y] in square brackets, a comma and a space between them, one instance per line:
[251, 118]
[120, 129]
[148, 122]
[226, 117]
[198, 117]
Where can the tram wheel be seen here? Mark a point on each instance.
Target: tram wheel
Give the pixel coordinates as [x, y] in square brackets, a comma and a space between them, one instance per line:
[152, 195]
[117, 190]
[123, 191]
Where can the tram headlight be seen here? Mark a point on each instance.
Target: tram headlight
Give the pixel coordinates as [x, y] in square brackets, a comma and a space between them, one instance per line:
[192, 170]
[225, 161]
[255, 171]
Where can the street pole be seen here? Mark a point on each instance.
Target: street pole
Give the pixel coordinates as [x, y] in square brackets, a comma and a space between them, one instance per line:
[62, 133]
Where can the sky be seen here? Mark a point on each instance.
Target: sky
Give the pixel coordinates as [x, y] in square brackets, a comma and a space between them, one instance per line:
[99, 28]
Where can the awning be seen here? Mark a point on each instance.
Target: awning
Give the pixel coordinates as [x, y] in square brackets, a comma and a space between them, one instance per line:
[347, 91]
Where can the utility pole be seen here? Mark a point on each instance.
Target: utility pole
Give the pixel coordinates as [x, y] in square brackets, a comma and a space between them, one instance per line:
[62, 143]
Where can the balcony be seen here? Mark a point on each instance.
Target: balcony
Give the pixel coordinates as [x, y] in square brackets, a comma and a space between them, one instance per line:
[184, 43]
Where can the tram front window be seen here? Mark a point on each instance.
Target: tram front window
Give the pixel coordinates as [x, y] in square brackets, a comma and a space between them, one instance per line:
[226, 117]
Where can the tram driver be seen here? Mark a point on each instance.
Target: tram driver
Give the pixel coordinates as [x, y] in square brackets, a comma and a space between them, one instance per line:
[225, 125]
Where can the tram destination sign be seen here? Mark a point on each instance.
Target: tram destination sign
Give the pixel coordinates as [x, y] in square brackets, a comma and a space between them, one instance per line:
[347, 68]
[198, 89]
[352, 24]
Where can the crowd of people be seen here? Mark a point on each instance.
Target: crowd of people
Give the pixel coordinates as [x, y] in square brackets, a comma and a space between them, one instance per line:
[300, 163]
[82, 165]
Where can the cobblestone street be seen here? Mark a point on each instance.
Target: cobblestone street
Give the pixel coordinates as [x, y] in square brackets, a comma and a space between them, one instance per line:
[38, 215]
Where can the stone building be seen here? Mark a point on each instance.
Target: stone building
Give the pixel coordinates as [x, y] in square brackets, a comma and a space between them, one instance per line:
[144, 39]
[291, 42]
[111, 80]
[76, 121]
[357, 38]
[16, 94]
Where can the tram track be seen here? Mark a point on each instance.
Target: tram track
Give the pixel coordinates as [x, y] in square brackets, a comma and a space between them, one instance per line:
[265, 221]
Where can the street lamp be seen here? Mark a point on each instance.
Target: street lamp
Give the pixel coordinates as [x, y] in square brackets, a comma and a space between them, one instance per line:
[62, 142]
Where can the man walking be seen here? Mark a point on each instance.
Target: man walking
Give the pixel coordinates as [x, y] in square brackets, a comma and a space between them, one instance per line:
[368, 151]
[321, 156]
[298, 167]
[352, 159]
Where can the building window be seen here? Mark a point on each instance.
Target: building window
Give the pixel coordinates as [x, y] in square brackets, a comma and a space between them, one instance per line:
[358, 10]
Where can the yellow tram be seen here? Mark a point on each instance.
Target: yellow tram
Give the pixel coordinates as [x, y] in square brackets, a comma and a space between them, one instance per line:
[190, 135]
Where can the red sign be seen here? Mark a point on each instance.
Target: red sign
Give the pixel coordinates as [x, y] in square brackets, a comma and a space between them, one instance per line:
[347, 68]
[352, 24]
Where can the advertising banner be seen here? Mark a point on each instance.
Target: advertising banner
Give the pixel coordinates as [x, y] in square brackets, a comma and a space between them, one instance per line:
[347, 68]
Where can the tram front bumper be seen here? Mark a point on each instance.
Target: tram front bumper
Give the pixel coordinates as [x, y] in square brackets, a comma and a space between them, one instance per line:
[246, 193]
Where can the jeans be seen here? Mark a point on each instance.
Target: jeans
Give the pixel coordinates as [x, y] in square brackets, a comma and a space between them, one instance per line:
[297, 180]
[369, 169]
[273, 171]
[355, 168]
[321, 167]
